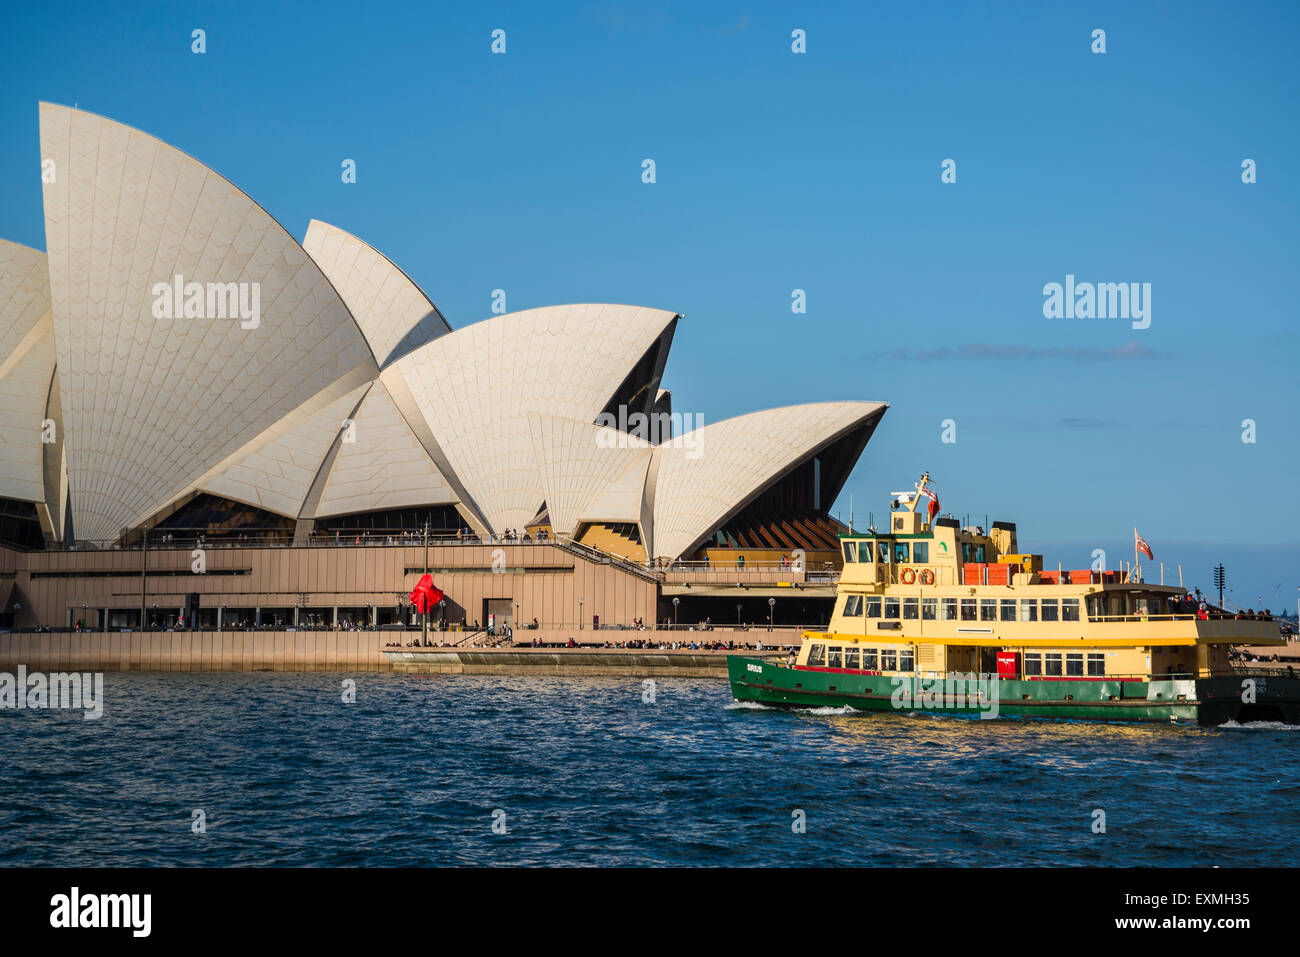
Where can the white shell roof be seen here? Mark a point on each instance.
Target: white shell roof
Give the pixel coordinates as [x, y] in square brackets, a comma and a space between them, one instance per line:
[701, 478]
[581, 463]
[276, 470]
[26, 370]
[151, 403]
[476, 387]
[384, 467]
[391, 309]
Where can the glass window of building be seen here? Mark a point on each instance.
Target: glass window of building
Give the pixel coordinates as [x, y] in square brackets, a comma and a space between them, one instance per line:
[1050, 612]
[1029, 609]
[921, 553]
[929, 609]
[911, 608]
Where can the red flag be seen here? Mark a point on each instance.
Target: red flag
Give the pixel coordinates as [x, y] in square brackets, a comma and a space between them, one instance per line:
[424, 596]
[933, 508]
[1142, 546]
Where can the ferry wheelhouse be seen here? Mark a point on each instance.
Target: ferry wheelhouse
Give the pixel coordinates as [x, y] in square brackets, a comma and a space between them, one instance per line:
[934, 616]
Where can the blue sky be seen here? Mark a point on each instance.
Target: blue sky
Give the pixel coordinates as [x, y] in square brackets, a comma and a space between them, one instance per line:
[820, 171]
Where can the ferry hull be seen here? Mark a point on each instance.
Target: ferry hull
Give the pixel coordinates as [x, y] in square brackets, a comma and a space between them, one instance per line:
[1208, 701]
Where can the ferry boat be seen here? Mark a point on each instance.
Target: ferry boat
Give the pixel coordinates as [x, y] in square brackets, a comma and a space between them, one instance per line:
[932, 616]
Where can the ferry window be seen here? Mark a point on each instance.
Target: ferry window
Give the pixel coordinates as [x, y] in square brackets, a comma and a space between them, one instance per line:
[869, 659]
[950, 609]
[979, 553]
[1096, 664]
[816, 656]
[1069, 609]
[1033, 663]
[836, 658]
[929, 608]
[901, 551]
[1028, 609]
[921, 553]
[988, 609]
[850, 552]
[851, 658]
[891, 607]
[911, 608]
[1008, 609]
[864, 551]
[966, 552]
[968, 609]
[888, 659]
[853, 606]
[906, 659]
[1050, 609]
[882, 551]
[1053, 665]
[873, 606]
[1074, 665]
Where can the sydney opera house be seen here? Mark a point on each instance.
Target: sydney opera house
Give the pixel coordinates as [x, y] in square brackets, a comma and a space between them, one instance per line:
[202, 416]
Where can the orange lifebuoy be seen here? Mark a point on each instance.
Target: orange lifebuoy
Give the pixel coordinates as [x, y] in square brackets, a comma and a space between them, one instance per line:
[927, 576]
[907, 576]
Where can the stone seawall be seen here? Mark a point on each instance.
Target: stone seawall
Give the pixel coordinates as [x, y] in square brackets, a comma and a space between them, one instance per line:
[357, 651]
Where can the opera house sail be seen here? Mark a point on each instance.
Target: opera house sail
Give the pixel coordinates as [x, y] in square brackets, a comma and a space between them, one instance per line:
[176, 369]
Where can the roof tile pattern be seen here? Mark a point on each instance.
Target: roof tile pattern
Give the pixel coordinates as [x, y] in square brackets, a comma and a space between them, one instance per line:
[476, 387]
[707, 474]
[150, 403]
[384, 467]
[389, 307]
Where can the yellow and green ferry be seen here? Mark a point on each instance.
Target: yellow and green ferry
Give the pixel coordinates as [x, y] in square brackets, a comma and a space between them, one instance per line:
[933, 616]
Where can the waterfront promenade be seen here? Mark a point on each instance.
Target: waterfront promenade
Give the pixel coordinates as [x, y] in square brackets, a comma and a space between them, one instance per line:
[364, 651]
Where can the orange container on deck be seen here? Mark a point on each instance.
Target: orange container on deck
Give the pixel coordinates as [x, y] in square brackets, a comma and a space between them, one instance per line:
[1000, 573]
[972, 573]
[1080, 577]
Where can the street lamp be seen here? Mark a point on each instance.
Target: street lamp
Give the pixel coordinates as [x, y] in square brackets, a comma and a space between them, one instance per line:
[678, 601]
[771, 606]
[580, 614]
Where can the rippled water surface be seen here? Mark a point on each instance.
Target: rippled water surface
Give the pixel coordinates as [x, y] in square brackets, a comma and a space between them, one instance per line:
[586, 772]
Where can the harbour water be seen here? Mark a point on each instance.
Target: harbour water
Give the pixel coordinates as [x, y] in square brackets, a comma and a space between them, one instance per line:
[599, 771]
